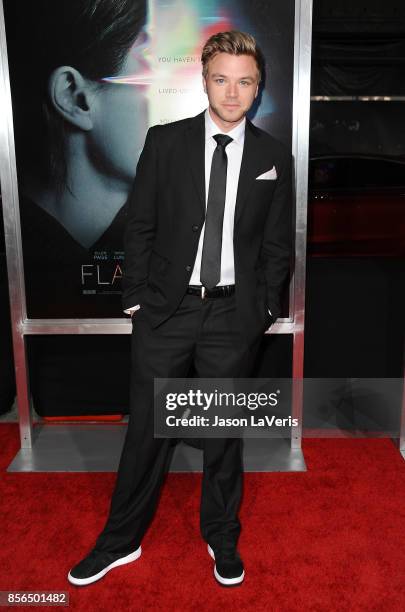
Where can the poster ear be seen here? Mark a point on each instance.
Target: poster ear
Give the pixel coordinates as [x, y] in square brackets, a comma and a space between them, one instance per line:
[69, 94]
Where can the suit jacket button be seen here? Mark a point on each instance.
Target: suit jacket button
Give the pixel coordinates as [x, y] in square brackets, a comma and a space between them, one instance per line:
[195, 228]
[188, 268]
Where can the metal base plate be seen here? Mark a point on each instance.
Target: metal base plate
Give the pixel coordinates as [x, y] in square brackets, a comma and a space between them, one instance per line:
[97, 448]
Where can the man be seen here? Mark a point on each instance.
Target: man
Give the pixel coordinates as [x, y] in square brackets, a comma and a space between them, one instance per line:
[207, 253]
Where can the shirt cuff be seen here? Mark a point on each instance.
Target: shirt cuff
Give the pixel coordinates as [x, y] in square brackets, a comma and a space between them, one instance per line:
[131, 310]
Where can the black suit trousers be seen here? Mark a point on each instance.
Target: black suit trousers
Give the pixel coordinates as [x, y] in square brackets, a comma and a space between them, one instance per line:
[204, 333]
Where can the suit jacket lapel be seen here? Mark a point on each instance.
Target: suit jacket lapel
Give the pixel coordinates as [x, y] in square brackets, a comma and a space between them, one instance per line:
[251, 162]
[251, 165]
[195, 137]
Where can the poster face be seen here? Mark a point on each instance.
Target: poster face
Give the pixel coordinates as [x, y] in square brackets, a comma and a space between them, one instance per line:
[88, 77]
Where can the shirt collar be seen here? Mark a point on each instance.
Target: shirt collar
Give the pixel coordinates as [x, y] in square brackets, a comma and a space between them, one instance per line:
[237, 133]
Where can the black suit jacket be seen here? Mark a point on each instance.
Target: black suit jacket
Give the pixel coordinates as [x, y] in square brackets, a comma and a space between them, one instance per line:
[166, 213]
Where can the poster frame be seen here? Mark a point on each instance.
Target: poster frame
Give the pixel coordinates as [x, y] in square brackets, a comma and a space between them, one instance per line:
[22, 326]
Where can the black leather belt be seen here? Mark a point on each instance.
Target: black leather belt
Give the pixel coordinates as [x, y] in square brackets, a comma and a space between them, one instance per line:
[202, 292]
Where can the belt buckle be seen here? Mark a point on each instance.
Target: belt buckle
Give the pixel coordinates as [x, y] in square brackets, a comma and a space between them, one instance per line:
[202, 292]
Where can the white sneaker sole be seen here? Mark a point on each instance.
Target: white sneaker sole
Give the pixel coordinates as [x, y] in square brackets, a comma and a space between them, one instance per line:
[123, 561]
[225, 581]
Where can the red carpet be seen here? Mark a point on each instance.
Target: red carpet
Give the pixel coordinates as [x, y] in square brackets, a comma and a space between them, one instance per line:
[328, 539]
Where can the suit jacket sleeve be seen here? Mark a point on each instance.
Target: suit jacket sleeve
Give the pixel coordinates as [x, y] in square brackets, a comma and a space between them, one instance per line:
[140, 230]
[277, 239]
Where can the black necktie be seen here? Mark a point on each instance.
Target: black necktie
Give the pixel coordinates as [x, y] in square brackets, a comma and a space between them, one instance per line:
[211, 253]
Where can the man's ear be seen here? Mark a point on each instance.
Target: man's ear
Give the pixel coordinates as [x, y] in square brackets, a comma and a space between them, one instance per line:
[70, 95]
[204, 82]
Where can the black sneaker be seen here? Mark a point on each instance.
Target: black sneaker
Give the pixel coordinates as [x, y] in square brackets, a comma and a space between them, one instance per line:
[228, 568]
[97, 564]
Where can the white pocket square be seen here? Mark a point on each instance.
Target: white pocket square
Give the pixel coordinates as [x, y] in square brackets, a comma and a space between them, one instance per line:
[270, 175]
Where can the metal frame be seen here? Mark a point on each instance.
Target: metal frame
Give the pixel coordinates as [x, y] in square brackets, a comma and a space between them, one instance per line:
[22, 326]
[300, 146]
[11, 214]
[401, 441]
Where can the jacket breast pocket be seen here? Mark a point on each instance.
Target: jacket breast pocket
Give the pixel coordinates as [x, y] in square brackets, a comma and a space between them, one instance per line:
[264, 187]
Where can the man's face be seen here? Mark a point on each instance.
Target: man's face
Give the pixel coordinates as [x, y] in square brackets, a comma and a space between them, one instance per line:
[231, 85]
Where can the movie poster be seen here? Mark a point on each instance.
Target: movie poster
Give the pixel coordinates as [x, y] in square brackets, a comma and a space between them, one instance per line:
[88, 77]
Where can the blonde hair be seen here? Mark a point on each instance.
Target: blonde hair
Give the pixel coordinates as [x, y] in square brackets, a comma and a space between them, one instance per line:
[234, 43]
